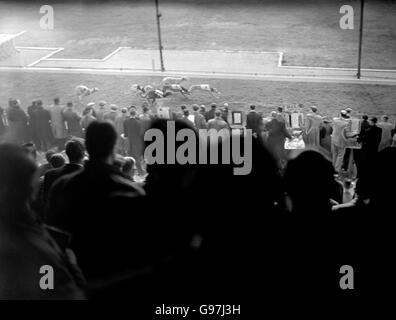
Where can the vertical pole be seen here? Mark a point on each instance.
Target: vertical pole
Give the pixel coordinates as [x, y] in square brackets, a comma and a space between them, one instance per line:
[159, 35]
[360, 39]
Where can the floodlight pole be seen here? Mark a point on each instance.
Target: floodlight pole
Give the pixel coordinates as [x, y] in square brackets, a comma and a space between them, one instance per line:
[360, 39]
[159, 35]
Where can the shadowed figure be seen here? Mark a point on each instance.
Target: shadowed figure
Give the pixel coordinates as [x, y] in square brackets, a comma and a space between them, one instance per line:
[89, 205]
[25, 244]
[319, 239]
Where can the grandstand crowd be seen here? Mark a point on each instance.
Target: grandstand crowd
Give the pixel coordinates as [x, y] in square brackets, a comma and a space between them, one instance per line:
[76, 194]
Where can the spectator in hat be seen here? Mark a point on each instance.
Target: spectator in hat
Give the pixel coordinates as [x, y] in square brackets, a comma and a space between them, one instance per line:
[368, 155]
[373, 137]
[202, 110]
[199, 119]
[145, 113]
[112, 114]
[100, 112]
[312, 128]
[254, 121]
[217, 123]
[365, 125]
[121, 147]
[145, 117]
[133, 131]
[225, 112]
[87, 117]
[186, 115]
[339, 140]
[75, 152]
[72, 120]
[325, 134]
[33, 127]
[43, 128]
[282, 116]
[17, 122]
[277, 133]
[211, 113]
[386, 138]
[58, 124]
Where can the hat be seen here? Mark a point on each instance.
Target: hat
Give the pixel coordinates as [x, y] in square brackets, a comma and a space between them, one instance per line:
[226, 104]
[213, 105]
[113, 107]
[348, 110]
[90, 104]
[343, 112]
[102, 103]
[124, 110]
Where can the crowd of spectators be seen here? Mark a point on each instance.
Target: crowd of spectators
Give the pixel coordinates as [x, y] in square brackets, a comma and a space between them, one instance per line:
[186, 230]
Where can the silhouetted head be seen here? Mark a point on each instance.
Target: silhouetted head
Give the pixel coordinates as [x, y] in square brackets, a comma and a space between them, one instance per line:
[49, 154]
[56, 101]
[75, 151]
[373, 121]
[165, 177]
[252, 107]
[309, 182]
[218, 113]
[57, 161]
[100, 140]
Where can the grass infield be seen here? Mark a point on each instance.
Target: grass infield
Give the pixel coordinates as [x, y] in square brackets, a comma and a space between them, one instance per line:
[329, 97]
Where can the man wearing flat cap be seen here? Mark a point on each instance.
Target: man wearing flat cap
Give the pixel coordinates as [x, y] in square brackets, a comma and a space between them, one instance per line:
[211, 113]
[111, 115]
